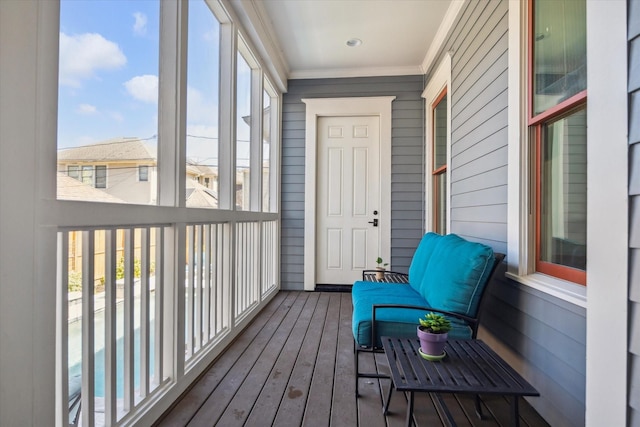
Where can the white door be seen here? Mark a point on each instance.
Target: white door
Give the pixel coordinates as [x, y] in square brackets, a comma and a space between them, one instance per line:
[348, 197]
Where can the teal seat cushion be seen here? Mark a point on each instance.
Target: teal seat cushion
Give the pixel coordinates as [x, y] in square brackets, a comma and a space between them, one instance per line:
[421, 258]
[396, 322]
[456, 275]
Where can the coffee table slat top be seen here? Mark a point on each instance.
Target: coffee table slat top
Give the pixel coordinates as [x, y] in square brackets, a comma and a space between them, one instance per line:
[469, 366]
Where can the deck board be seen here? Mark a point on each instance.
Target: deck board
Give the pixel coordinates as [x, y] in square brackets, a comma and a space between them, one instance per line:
[294, 366]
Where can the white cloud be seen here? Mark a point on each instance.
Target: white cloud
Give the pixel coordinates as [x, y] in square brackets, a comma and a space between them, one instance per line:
[199, 109]
[87, 109]
[82, 55]
[116, 116]
[143, 88]
[140, 26]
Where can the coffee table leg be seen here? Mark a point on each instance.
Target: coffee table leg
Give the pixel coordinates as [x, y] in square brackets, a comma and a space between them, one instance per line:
[410, 410]
[385, 410]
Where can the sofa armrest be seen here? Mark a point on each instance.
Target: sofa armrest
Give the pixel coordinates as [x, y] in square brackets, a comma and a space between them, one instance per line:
[389, 276]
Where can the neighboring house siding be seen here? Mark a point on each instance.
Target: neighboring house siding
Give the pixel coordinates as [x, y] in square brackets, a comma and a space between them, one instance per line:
[546, 336]
[407, 164]
[634, 211]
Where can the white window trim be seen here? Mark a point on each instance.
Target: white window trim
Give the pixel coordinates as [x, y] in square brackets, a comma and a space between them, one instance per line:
[440, 80]
[520, 246]
[365, 106]
[606, 293]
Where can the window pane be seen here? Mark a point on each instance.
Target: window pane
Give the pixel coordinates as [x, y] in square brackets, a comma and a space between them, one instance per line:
[101, 177]
[440, 134]
[440, 203]
[73, 172]
[563, 234]
[143, 173]
[266, 147]
[203, 74]
[87, 175]
[108, 97]
[559, 52]
[243, 133]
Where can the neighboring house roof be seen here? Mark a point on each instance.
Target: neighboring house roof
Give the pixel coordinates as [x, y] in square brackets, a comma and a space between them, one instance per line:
[199, 170]
[72, 189]
[120, 149]
[199, 196]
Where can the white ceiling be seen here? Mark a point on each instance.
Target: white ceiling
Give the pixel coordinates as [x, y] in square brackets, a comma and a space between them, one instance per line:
[310, 35]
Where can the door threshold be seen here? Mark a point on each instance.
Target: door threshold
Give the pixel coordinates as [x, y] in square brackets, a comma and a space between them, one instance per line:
[332, 288]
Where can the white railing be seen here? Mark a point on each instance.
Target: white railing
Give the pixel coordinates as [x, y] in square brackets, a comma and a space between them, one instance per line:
[117, 293]
[207, 292]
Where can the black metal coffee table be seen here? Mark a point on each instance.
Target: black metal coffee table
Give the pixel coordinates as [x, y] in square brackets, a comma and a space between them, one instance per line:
[469, 366]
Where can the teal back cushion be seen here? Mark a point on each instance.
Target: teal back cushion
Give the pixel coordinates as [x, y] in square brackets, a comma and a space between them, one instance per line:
[421, 258]
[456, 275]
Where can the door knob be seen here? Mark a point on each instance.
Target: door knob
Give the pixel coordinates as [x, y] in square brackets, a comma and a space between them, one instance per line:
[374, 222]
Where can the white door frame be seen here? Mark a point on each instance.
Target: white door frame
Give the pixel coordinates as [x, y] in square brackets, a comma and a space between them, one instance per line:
[366, 106]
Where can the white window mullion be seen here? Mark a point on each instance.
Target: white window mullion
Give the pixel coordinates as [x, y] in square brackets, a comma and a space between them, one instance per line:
[62, 330]
[88, 332]
[256, 139]
[227, 118]
[172, 102]
[110, 332]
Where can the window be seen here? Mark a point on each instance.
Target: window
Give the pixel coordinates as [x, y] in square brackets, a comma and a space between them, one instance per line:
[101, 176]
[108, 87]
[439, 163]
[557, 120]
[143, 173]
[87, 175]
[437, 148]
[73, 171]
[203, 99]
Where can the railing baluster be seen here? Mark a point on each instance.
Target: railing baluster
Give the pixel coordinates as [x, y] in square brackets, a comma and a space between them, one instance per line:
[206, 297]
[158, 308]
[144, 312]
[128, 305]
[189, 294]
[62, 330]
[88, 338]
[198, 288]
[110, 332]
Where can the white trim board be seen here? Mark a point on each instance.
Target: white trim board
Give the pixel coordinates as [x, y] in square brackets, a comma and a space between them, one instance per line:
[357, 106]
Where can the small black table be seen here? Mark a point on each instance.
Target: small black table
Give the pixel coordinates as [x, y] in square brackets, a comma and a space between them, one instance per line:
[469, 366]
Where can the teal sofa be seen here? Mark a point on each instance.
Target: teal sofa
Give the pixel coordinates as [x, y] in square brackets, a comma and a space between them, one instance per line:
[448, 274]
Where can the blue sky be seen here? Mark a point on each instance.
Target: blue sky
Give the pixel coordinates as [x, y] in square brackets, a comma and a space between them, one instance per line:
[109, 75]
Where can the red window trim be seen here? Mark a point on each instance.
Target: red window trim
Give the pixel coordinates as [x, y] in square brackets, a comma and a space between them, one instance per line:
[544, 267]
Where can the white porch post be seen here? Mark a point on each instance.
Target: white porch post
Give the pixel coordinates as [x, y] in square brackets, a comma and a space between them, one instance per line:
[607, 204]
[28, 97]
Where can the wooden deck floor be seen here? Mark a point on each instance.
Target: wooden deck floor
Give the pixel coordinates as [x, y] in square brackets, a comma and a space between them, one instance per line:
[294, 367]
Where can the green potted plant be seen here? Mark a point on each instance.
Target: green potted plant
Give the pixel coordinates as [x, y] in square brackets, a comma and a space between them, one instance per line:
[381, 267]
[433, 332]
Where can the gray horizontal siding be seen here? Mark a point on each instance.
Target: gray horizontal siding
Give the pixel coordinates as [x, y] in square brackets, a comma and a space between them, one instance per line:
[543, 336]
[407, 153]
[634, 211]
